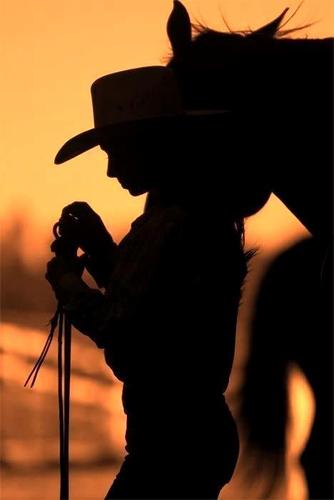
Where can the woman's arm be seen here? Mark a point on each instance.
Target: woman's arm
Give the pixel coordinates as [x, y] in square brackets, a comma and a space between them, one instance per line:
[85, 228]
[85, 307]
[101, 263]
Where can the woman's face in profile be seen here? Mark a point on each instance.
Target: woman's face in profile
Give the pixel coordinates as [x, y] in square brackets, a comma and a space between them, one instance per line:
[150, 157]
[134, 163]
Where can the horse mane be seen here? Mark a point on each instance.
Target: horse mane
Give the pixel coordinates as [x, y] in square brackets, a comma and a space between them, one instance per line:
[273, 29]
[205, 38]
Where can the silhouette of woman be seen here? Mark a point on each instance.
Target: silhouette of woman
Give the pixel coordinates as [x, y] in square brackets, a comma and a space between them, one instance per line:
[167, 317]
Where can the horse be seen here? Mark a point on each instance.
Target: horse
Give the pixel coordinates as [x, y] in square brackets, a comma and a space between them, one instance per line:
[278, 139]
[281, 90]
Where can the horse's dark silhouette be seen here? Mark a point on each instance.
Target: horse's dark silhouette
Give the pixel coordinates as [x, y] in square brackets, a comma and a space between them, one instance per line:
[280, 93]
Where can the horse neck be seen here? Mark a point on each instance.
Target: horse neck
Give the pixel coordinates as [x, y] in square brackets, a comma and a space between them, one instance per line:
[303, 71]
[278, 76]
[301, 136]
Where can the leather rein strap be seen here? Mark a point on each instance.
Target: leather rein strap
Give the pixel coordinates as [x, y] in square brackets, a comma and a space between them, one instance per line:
[64, 375]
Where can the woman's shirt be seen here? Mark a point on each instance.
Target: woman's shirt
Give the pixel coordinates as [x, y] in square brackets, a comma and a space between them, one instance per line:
[168, 317]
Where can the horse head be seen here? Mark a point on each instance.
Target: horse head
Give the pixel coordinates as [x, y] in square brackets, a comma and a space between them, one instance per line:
[220, 69]
[281, 90]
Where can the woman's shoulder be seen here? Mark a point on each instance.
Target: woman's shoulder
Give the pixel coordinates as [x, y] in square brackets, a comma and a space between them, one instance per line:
[163, 216]
[161, 223]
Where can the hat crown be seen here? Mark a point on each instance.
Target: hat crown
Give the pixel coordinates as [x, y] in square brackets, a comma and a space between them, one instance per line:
[135, 94]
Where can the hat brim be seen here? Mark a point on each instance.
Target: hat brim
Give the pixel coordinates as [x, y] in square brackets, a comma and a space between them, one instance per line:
[91, 138]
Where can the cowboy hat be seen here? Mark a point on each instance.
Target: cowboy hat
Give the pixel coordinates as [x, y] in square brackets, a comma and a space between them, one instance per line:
[124, 100]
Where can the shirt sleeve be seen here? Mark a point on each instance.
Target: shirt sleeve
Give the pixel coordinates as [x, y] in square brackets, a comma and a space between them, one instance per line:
[84, 307]
[161, 308]
[138, 273]
[100, 265]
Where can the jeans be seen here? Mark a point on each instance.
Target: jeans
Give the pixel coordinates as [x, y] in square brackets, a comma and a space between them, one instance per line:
[198, 475]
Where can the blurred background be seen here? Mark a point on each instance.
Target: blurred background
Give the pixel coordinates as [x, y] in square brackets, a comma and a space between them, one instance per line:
[51, 52]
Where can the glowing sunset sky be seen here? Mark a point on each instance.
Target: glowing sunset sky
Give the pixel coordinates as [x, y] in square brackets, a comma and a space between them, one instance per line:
[53, 51]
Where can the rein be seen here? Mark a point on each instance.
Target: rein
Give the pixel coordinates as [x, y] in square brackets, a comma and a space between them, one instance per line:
[64, 374]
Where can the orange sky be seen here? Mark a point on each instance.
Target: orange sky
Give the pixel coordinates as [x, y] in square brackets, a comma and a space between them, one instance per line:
[53, 51]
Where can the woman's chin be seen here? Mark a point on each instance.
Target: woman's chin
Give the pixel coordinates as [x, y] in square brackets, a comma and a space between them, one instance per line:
[135, 191]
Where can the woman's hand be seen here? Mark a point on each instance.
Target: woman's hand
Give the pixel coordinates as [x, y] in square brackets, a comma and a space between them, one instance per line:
[82, 225]
[64, 276]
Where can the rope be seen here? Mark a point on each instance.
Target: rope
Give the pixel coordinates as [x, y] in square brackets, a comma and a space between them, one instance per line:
[64, 490]
[64, 375]
[66, 248]
[34, 372]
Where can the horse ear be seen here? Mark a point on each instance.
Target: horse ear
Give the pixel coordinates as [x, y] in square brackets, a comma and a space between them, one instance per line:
[179, 29]
[271, 28]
